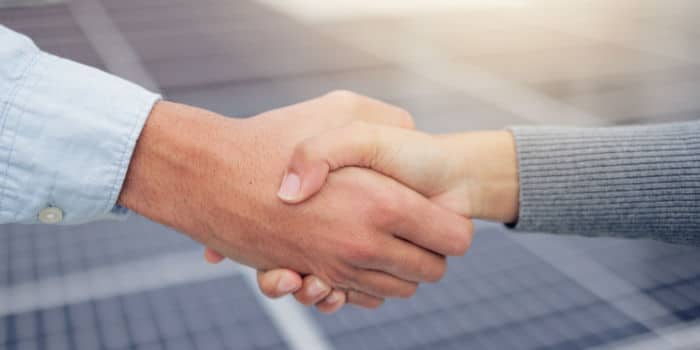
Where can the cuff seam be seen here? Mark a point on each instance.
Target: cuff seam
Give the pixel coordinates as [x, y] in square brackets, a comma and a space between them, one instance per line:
[125, 159]
[4, 115]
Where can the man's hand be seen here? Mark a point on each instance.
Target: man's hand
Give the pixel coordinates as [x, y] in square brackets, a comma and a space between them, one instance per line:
[215, 179]
[473, 174]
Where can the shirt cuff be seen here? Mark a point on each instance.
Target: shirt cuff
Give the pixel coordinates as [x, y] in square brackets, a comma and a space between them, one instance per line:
[68, 134]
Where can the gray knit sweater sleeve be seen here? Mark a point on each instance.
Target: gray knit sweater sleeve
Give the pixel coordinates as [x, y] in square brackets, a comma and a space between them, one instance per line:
[633, 182]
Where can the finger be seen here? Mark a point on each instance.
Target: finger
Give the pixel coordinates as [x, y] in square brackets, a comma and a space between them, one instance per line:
[212, 256]
[437, 229]
[382, 285]
[407, 261]
[361, 145]
[371, 110]
[279, 282]
[364, 300]
[312, 291]
[332, 303]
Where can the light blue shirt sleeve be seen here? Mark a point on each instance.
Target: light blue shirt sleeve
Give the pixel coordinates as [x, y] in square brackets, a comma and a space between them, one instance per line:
[67, 133]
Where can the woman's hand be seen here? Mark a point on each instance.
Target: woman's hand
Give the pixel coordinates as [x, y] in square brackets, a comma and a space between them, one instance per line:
[472, 174]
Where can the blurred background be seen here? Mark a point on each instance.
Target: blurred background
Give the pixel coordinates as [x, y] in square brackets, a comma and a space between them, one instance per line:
[456, 65]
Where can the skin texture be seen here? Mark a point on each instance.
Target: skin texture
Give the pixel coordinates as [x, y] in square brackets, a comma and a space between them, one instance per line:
[473, 174]
[215, 180]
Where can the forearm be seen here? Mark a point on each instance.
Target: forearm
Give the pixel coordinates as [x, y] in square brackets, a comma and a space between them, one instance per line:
[175, 158]
[162, 152]
[639, 181]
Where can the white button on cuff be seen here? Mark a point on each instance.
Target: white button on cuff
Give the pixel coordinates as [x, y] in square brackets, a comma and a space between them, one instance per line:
[51, 215]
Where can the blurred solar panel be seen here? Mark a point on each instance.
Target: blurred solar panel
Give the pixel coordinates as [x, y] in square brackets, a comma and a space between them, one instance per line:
[242, 58]
[216, 314]
[26, 3]
[489, 301]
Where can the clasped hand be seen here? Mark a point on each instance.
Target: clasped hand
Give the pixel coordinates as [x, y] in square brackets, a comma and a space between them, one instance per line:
[415, 253]
[365, 234]
[381, 138]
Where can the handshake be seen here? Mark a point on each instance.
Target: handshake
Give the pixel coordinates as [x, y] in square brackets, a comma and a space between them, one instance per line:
[337, 199]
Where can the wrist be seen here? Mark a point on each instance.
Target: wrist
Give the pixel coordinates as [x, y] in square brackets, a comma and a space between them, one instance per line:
[170, 164]
[486, 167]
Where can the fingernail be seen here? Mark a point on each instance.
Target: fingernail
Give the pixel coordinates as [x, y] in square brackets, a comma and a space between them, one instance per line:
[316, 288]
[286, 285]
[291, 185]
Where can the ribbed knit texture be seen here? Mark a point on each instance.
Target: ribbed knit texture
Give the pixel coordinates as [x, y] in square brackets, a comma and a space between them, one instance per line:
[633, 182]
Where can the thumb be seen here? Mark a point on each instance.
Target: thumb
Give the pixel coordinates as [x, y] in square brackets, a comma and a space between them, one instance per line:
[358, 144]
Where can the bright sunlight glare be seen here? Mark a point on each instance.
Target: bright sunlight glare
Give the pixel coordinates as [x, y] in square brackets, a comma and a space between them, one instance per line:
[322, 10]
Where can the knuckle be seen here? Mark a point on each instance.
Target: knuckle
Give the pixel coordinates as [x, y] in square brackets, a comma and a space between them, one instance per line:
[267, 290]
[405, 119]
[385, 208]
[304, 151]
[341, 277]
[368, 140]
[374, 304]
[437, 272]
[469, 234]
[343, 95]
[364, 300]
[267, 285]
[459, 238]
[363, 253]
[464, 242]
[302, 298]
[409, 291]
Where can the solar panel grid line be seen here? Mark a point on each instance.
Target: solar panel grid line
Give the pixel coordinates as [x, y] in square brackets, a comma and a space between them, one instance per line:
[197, 319]
[75, 254]
[439, 325]
[483, 339]
[435, 309]
[644, 251]
[178, 11]
[681, 265]
[108, 281]
[299, 331]
[684, 336]
[41, 17]
[210, 66]
[112, 315]
[597, 279]
[638, 277]
[672, 300]
[490, 325]
[662, 274]
[116, 53]
[690, 291]
[466, 312]
[598, 318]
